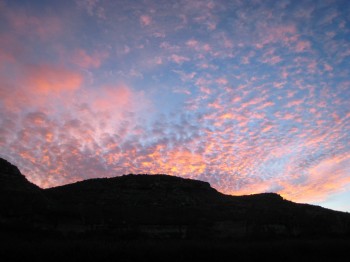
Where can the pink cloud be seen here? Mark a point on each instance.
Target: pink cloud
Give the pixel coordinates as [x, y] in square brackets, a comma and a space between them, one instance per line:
[294, 103]
[192, 43]
[327, 67]
[178, 59]
[279, 84]
[186, 77]
[265, 105]
[169, 47]
[284, 33]
[284, 73]
[202, 48]
[302, 46]
[23, 23]
[312, 66]
[206, 48]
[272, 60]
[44, 79]
[216, 104]
[107, 98]
[39, 86]
[267, 128]
[323, 179]
[252, 102]
[145, 20]
[8, 50]
[86, 129]
[227, 116]
[288, 116]
[205, 90]
[92, 7]
[85, 60]
[182, 91]
[222, 81]
[236, 99]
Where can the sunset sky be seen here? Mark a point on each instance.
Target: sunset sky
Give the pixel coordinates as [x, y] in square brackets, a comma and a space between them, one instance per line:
[250, 96]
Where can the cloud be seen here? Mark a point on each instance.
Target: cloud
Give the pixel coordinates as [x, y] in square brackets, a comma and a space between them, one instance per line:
[24, 23]
[39, 85]
[85, 60]
[192, 43]
[178, 59]
[222, 81]
[92, 7]
[44, 79]
[145, 20]
[302, 46]
[77, 134]
[319, 183]
[90, 91]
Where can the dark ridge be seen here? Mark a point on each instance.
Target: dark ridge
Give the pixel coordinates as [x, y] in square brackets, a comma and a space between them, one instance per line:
[18, 197]
[141, 181]
[7, 168]
[158, 206]
[12, 179]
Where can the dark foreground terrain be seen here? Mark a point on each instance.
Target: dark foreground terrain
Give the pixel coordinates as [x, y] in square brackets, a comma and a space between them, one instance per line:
[160, 218]
[55, 249]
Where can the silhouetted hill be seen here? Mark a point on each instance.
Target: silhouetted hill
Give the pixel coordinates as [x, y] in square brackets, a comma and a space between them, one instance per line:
[19, 199]
[161, 206]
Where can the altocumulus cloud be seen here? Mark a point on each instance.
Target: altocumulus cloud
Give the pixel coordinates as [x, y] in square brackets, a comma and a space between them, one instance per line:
[249, 96]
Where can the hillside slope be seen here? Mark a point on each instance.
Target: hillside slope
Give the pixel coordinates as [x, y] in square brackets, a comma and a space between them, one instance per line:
[19, 199]
[159, 206]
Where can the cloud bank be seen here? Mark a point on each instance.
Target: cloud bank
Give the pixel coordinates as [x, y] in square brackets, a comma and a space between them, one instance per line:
[251, 97]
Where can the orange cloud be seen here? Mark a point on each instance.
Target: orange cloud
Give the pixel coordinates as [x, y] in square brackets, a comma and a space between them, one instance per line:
[107, 98]
[326, 178]
[39, 86]
[45, 79]
[185, 162]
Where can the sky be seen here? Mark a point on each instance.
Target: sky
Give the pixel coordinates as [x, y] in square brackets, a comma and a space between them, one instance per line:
[250, 96]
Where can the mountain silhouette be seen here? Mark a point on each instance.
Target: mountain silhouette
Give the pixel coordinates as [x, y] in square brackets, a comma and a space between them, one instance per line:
[157, 206]
[18, 197]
